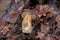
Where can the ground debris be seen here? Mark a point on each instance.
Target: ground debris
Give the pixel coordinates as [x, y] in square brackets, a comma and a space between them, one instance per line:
[45, 21]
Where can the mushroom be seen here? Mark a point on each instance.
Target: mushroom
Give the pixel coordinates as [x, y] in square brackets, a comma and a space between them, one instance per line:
[27, 22]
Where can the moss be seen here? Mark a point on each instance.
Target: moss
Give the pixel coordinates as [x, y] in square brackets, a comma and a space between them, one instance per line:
[1, 11]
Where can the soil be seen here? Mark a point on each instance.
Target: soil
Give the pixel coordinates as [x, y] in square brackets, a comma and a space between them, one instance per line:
[44, 14]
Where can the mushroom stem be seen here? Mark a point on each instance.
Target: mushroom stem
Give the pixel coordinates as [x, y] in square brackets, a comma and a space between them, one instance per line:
[27, 24]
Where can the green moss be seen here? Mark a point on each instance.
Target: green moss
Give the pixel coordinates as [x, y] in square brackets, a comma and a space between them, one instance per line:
[1, 11]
